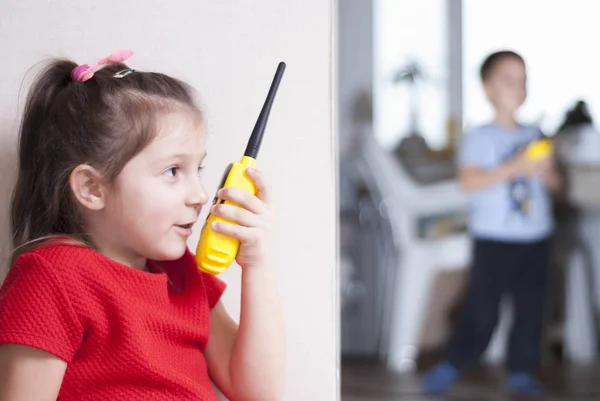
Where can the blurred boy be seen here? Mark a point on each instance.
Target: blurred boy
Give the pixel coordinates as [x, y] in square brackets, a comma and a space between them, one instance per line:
[510, 222]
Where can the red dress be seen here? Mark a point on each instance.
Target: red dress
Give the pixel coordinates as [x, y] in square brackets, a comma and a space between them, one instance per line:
[125, 334]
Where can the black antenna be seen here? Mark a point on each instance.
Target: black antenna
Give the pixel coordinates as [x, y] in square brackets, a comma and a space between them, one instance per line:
[261, 122]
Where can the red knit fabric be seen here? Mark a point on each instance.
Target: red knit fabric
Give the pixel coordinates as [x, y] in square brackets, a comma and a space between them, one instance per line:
[126, 334]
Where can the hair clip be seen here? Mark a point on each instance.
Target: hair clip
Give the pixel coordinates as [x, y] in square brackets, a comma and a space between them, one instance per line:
[123, 73]
[83, 72]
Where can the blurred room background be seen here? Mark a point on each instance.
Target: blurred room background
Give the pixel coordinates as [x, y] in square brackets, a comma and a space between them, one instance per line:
[408, 89]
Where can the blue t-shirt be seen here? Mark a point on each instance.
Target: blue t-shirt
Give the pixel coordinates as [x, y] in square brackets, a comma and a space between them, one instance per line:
[515, 211]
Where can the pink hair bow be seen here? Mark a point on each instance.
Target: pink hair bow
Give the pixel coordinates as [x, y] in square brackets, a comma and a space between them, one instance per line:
[83, 72]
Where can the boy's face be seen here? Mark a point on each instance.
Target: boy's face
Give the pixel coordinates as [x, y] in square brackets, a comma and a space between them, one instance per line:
[506, 85]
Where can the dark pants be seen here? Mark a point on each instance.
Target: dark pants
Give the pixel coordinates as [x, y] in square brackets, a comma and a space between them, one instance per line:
[519, 269]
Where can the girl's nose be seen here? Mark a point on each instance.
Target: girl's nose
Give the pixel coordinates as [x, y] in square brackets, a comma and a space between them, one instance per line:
[197, 196]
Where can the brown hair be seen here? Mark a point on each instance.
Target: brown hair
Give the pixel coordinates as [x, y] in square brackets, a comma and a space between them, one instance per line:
[491, 61]
[103, 122]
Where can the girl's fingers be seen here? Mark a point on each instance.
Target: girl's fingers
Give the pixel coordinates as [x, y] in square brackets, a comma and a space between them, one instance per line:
[260, 183]
[244, 199]
[243, 234]
[236, 215]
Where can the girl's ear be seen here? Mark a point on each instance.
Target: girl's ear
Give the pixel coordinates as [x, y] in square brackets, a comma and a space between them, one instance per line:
[88, 187]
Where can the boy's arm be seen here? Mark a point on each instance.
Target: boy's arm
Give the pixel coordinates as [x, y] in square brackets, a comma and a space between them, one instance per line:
[472, 178]
[552, 176]
[476, 153]
[474, 157]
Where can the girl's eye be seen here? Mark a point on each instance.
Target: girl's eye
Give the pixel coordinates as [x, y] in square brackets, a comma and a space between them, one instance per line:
[172, 171]
[200, 169]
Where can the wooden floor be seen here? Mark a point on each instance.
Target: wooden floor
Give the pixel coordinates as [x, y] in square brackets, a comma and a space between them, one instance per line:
[365, 381]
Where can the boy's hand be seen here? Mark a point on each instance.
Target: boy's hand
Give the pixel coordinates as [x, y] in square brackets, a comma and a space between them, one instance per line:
[547, 171]
[521, 165]
[251, 220]
[544, 167]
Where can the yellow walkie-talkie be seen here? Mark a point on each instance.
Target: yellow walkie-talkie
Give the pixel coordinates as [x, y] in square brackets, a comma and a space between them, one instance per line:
[539, 149]
[215, 252]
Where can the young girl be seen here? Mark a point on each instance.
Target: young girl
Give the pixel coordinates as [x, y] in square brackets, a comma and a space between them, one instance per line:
[104, 300]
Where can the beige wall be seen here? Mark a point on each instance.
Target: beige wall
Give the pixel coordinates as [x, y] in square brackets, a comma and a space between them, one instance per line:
[229, 51]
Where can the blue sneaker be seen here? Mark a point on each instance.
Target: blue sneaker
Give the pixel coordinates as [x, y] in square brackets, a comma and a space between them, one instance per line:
[438, 379]
[525, 384]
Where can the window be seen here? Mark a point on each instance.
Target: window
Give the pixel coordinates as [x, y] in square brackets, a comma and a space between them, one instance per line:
[556, 39]
[408, 31]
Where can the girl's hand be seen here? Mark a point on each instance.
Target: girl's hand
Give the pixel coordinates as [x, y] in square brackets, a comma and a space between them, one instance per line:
[251, 220]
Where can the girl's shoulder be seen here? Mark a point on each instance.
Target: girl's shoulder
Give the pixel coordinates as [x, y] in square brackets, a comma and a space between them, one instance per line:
[62, 258]
[76, 268]
[84, 271]
[36, 307]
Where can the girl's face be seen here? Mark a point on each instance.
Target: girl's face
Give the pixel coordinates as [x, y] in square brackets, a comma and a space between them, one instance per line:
[157, 197]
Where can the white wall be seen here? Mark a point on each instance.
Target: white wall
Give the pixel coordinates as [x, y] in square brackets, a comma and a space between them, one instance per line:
[229, 51]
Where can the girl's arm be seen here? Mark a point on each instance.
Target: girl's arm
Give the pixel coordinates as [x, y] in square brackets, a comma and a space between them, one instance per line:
[35, 309]
[247, 362]
[27, 373]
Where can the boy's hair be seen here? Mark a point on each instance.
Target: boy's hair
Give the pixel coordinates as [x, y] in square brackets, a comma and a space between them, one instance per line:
[491, 61]
[103, 122]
